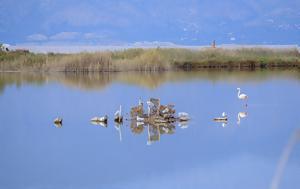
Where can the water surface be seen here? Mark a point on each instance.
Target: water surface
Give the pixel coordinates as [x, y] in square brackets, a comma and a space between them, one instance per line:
[261, 151]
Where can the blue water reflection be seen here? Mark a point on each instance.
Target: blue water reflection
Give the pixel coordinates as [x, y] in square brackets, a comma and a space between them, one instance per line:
[36, 154]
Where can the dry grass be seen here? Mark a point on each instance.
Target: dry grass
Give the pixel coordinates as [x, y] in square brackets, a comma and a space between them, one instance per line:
[155, 59]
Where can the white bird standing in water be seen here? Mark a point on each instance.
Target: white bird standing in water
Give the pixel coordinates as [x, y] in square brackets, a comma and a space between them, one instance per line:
[242, 96]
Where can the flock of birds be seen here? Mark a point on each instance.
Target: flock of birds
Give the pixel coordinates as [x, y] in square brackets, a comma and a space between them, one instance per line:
[182, 116]
[118, 117]
[224, 118]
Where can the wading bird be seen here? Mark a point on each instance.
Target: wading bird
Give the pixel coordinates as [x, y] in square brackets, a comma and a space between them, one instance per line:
[242, 96]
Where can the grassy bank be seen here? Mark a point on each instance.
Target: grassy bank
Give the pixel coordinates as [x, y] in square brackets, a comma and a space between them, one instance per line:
[157, 59]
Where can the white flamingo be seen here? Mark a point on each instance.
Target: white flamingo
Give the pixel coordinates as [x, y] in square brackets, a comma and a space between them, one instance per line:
[242, 96]
[241, 115]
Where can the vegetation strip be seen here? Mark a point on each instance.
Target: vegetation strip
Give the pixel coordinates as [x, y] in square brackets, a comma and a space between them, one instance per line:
[155, 59]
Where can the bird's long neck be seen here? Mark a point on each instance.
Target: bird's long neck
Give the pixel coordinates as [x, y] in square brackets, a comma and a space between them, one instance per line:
[239, 91]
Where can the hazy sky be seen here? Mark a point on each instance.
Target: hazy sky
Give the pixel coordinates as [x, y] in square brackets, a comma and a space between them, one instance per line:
[188, 22]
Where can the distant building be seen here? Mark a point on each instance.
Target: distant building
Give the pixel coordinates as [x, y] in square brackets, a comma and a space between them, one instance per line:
[4, 47]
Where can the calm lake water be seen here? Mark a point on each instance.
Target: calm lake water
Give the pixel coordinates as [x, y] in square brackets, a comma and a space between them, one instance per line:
[262, 151]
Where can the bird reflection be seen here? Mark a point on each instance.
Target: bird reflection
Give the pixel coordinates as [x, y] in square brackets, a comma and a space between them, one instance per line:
[97, 123]
[155, 131]
[118, 128]
[149, 142]
[58, 125]
[137, 127]
[101, 121]
[183, 124]
[241, 115]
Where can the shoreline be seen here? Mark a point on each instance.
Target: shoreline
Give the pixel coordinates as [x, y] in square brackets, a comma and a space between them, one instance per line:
[151, 80]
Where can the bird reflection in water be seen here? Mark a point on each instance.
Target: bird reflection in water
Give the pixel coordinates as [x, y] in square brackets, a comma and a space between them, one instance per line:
[154, 130]
[118, 127]
[101, 121]
[58, 125]
[183, 124]
[102, 124]
[240, 116]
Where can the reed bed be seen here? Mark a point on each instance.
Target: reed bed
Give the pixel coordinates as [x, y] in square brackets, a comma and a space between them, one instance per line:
[155, 59]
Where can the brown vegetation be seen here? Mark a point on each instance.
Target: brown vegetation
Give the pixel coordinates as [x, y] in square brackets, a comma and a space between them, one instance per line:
[156, 59]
